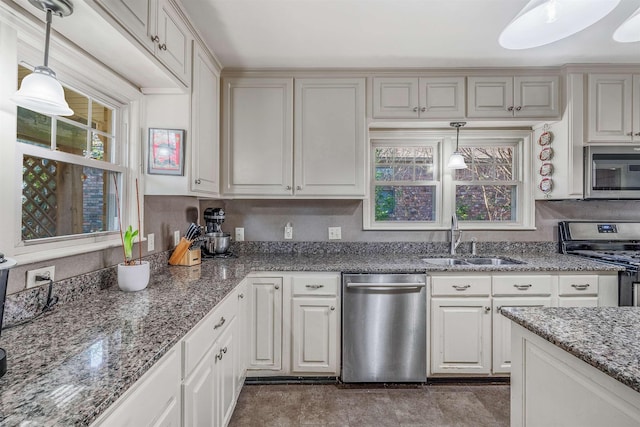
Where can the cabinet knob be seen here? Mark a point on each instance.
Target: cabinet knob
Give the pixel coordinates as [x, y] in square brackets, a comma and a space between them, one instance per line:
[298, 187]
[198, 181]
[240, 296]
[276, 287]
[629, 133]
[415, 109]
[163, 46]
[487, 309]
[155, 38]
[423, 109]
[332, 308]
[637, 134]
[518, 108]
[288, 187]
[510, 108]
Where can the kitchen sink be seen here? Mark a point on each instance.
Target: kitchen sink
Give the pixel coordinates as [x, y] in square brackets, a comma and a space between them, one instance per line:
[472, 261]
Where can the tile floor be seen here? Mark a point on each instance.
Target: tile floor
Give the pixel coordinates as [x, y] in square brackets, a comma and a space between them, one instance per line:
[331, 405]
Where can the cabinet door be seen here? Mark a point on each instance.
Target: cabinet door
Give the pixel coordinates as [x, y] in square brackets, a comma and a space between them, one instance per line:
[315, 335]
[609, 108]
[258, 137]
[138, 17]
[442, 98]
[461, 336]
[205, 152]
[395, 97]
[502, 329]
[154, 400]
[490, 97]
[175, 41]
[225, 378]
[635, 109]
[199, 394]
[242, 341]
[265, 331]
[536, 96]
[329, 143]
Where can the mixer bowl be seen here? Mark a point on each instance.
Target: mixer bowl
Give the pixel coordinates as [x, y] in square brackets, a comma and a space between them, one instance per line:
[217, 243]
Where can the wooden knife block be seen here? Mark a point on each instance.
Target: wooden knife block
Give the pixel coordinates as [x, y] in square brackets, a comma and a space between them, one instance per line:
[191, 257]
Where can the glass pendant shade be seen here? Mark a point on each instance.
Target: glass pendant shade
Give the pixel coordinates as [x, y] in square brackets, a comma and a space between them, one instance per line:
[629, 31]
[456, 161]
[546, 21]
[41, 92]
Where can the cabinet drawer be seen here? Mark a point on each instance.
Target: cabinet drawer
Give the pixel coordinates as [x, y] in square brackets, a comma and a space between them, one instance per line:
[578, 285]
[203, 335]
[461, 285]
[522, 285]
[315, 285]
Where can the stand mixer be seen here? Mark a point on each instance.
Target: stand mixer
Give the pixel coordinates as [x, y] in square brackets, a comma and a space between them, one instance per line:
[216, 242]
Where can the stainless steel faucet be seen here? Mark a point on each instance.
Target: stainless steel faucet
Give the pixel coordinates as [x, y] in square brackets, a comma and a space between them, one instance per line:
[455, 242]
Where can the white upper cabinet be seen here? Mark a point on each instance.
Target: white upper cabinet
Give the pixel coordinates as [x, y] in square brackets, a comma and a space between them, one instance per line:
[159, 27]
[261, 157]
[505, 97]
[205, 155]
[329, 139]
[412, 98]
[614, 108]
[258, 136]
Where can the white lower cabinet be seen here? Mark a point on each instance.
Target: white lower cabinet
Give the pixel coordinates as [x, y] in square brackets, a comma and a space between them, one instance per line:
[314, 335]
[461, 335]
[154, 400]
[265, 329]
[242, 341]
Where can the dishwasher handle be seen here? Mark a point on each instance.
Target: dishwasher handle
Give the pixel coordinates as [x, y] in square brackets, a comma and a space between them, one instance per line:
[374, 285]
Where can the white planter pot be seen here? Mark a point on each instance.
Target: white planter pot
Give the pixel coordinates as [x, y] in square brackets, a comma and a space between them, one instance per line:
[133, 278]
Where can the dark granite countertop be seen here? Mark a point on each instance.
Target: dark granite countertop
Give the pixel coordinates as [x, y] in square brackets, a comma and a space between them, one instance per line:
[607, 338]
[68, 366]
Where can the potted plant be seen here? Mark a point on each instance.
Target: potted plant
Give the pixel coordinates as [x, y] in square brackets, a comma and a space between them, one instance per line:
[133, 274]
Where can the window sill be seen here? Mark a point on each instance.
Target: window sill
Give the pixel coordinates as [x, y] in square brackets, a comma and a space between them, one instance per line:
[35, 255]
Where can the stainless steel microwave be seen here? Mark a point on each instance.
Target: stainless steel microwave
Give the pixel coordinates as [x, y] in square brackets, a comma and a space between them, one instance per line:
[612, 172]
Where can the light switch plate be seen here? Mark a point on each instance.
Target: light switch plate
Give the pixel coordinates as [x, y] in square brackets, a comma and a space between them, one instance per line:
[239, 234]
[288, 231]
[151, 242]
[335, 233]
[176, 237]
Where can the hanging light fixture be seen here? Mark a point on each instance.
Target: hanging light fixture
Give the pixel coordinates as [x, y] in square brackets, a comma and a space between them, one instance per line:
[629, 31]
[456, 161]
[41, 91]
[545, 21]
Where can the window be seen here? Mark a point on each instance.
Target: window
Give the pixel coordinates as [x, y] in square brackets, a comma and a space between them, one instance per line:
[69, 167]
[412, 190]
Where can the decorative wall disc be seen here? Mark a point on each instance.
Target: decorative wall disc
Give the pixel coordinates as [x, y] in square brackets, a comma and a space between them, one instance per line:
[546, 138]
[546, 154]
[546, 169]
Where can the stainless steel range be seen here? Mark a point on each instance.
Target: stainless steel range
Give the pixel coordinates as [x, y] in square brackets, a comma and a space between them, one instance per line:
[616, 243]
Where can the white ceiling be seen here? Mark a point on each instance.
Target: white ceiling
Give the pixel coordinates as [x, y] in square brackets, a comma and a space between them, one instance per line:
[390, 34]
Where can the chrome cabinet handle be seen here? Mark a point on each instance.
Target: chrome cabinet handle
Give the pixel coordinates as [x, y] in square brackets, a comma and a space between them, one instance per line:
[487, 309]
[276, 287]
[581, 287]
[155, 38]
[314, 286]
[423, 109]
[198, 181]
[510, 108]
[522, 287]
[461, 287]
[240, 296]
[332, 308]
[415, 109]
[163, 46]
[298, 187]
[220, 323]
[518, 108]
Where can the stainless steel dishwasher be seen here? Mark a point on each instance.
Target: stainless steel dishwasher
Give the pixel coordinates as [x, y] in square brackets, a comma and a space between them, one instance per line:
[384, 328]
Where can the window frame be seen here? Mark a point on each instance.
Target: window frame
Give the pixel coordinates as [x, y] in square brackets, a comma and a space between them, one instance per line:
[85, 75]
[525, 214]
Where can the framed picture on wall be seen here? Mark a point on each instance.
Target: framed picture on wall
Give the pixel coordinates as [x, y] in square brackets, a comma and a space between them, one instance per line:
[166, 151]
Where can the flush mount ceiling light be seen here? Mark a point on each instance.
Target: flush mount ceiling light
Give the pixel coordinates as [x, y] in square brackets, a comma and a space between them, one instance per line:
[456, 161]
[545, 21]
[40, 91]
[629, 31]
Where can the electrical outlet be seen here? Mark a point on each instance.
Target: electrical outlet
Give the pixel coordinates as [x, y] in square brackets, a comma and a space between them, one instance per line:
[176, 237]
[288, 231]
[43, 271]
[239, 234]
[151, 242]
[335, 233]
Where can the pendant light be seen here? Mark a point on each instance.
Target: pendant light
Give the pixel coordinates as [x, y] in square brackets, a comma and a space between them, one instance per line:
[545, 21]
[41, 91]
[456, 161]
[629, 31]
